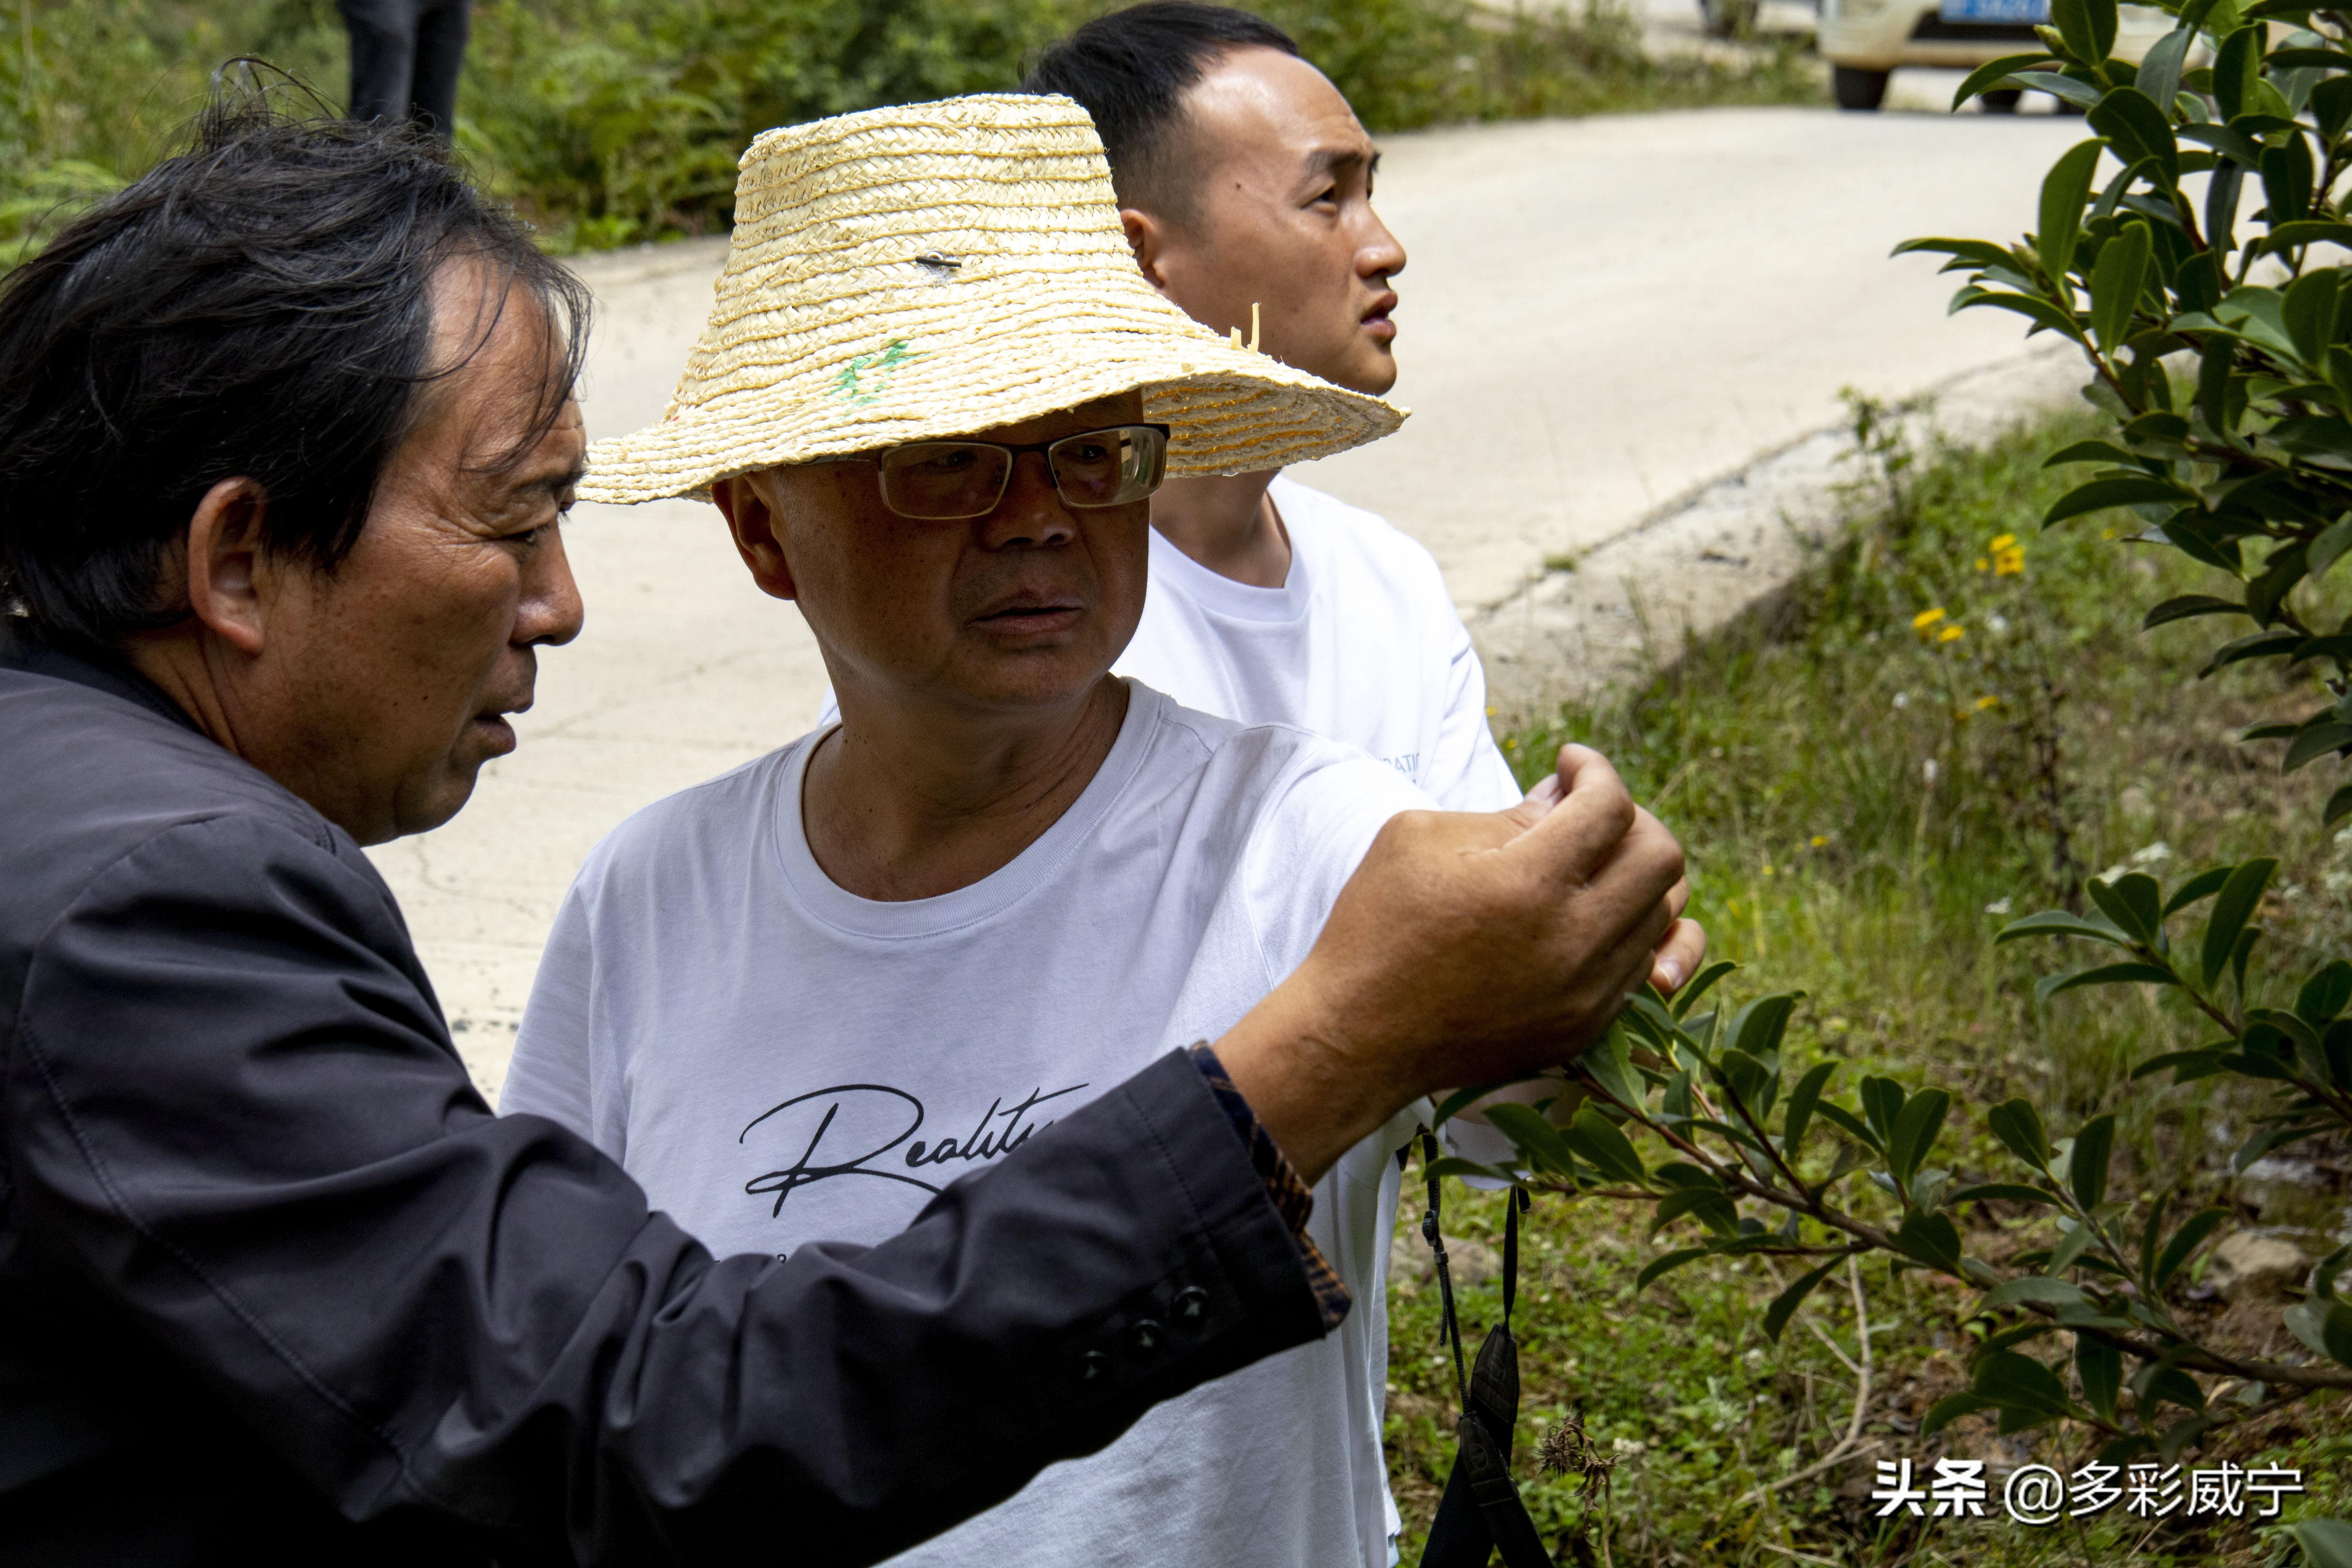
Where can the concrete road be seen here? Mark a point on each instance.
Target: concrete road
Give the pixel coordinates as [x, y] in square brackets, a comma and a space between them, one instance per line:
[1598, 316]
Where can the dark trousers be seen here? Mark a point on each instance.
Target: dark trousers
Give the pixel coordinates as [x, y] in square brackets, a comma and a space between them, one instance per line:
[405, 59]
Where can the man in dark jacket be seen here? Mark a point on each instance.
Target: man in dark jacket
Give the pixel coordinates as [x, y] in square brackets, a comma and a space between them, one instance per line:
[286, 431]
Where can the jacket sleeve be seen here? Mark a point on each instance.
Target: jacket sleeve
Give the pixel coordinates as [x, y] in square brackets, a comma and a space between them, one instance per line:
[232, 1104]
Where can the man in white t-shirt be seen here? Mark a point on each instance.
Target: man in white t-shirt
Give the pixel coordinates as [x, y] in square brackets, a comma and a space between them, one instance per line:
[1245, 183]
[798, 1000]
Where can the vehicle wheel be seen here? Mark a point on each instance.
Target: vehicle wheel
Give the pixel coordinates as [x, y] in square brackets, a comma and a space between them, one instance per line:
[1857, 88]
[2001, 100]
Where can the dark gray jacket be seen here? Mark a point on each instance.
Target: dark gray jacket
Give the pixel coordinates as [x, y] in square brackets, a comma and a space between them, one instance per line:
[277, 1286]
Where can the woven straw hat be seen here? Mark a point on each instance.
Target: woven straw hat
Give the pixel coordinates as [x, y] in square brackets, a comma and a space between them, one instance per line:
[936, 270]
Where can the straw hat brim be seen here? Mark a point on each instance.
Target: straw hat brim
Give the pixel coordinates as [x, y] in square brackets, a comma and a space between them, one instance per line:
[1228, 410]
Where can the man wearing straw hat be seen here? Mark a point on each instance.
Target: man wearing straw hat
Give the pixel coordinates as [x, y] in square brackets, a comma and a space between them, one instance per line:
[932, 400]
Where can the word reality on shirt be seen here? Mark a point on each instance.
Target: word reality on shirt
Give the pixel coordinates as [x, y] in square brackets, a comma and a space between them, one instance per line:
[2039, 1495]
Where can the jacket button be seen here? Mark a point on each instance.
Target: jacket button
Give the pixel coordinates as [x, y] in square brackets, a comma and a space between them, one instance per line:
[1192, 1304]
[1146, 1334]
[1093, 1366]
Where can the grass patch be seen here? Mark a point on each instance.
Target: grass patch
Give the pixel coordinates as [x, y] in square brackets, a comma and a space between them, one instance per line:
[1864, 797]
[613, 122]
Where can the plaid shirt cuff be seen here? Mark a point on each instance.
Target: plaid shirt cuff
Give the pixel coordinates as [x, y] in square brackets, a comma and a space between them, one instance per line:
[1292, 1199]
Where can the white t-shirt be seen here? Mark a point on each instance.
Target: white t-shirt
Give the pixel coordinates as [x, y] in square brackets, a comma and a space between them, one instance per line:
[779, 1062]
[1361, 643]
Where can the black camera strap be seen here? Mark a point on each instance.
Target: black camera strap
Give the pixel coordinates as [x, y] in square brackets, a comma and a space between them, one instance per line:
[1481, 1511]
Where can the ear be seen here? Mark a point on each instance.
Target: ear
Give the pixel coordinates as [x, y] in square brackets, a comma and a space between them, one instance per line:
[1148, 237]
[750, 514]
[228, 580]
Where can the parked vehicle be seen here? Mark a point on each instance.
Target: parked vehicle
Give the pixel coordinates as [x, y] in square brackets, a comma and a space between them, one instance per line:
[1864, 40]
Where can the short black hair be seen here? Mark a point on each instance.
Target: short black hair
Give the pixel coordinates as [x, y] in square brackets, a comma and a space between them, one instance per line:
[1129, 69]
[257, 306]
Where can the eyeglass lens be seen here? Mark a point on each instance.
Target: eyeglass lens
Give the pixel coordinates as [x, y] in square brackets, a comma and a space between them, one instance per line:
[945, 480]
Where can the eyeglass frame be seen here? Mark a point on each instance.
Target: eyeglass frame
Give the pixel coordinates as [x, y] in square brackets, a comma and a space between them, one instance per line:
[1013, 454]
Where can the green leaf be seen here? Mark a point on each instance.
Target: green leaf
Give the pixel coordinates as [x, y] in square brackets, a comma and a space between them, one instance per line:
[2130, 900]
[2159, 70]
[2049, 985]
[2156, 1380]
[2089, 452]
[2339, 806]
[2232, 910]
[1776, 1316]
[1713, 1210]
[2007, 1378]
[2040, 310]
[2307, 232]
[2034, 1287]
[2137, 129]
[2333, 543]
[1915, 1130]
[1882, 1102]
[1597, 1139]
[1700, 985]
[1802, 1101]
[2117, 280]
[2088, 27]
[2087, 1169]
[2325, 994]
[2240, 146]
[2058, 922]
[2276, 644]
[2237, 69]
[2100, 1365]
[1758, 1028]
[2064, 192]
[1851, 1125]
[2006, 1192]
[2324, 1325]
[2101, 494]
[2187, 1066]
[1609, 1063]
[2309, 310]
[1665, 1263]
[2314, 743]
[2081, 95]
[2286, 180]
[2185, 1241]
[1527, 1130]
[2072, 1240]
[2187, 604]
[2019, 1127]
[2326, 1543]
[1931, 1238]
[2203, 885]
[1974, 252]
[1990, 74]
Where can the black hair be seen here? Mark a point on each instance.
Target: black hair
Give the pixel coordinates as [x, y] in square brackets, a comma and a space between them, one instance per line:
[259, 306]
[1129, 69]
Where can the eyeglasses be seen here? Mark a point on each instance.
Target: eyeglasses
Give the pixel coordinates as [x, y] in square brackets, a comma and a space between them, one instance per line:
[943, 481]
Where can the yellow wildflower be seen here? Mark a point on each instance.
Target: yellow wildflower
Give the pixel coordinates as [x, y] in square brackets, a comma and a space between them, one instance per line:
[1820, 839]
[1951, 633]
[2005, 541]
[1983, 564]
[2008, 563]
[1984, 703]
[1925, 618]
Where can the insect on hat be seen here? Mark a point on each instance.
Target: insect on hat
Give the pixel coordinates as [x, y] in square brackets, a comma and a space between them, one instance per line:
[937, 269]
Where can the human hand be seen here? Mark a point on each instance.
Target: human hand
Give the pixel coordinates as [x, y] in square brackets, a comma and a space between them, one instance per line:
[1467, 949]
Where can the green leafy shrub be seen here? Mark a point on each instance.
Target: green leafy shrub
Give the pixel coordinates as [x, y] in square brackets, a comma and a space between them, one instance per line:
[609, 122]
[2220, 345]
